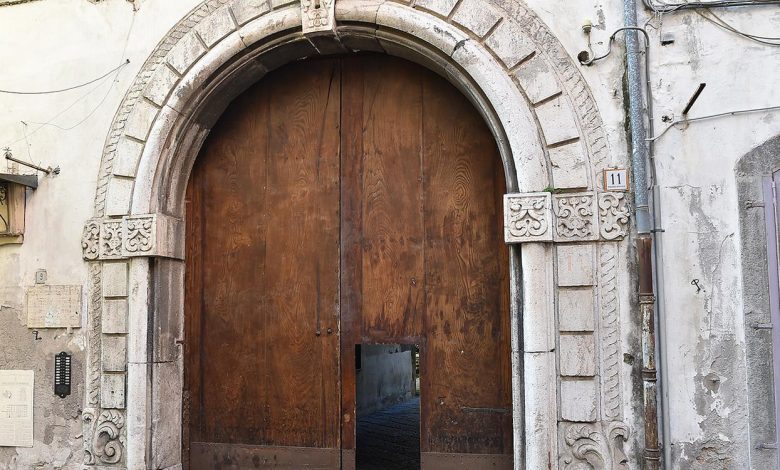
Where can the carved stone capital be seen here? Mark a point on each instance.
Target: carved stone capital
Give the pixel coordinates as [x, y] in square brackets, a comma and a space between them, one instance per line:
[528, 217]
[575, 217]
[567, 217]
[131, 236]
[613, 215]
[318, 16]
[593, 446]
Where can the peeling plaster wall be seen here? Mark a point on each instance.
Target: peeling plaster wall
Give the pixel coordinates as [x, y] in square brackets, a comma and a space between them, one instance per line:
[707, 386]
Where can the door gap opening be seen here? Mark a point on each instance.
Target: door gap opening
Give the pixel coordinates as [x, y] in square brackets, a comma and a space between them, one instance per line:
[387, 406]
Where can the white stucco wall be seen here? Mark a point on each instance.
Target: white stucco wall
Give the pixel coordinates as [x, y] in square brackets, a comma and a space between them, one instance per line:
[49, 44]
[705, 337]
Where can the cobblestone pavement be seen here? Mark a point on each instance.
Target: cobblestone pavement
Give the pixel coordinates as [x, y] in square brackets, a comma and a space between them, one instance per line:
[389, 439]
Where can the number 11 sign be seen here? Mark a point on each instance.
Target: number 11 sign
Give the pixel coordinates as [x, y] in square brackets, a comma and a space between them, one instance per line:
[616, 179]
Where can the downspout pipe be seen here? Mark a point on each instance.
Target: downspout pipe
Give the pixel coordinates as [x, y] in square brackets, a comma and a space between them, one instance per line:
[641, 158]
[639, 151]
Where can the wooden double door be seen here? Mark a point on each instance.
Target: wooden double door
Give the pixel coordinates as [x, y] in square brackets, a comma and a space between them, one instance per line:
[344, 201]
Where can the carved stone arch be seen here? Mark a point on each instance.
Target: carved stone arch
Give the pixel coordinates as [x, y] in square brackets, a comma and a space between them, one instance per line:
[549, 134]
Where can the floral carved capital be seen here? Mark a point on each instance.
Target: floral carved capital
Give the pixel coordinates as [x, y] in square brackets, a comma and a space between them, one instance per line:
[131, 236]
[528, 217]
[575, 216]
[566, 217]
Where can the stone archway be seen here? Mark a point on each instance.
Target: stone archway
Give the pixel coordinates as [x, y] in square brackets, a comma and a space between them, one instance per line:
[565, 231]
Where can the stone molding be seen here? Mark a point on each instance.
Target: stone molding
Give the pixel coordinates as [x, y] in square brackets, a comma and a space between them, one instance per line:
[567, 217]
[153, 235]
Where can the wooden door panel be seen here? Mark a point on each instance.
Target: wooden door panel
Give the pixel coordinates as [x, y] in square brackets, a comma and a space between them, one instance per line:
[424, 186]
[345, 201]
[263, 280]
[466, 380]
[392, 196]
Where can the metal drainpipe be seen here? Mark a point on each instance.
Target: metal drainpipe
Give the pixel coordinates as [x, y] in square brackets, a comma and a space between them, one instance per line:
[641, 156]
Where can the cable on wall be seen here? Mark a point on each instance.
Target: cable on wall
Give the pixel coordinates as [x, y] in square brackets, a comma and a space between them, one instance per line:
[49, 92]
[721, 23]
[663, 7]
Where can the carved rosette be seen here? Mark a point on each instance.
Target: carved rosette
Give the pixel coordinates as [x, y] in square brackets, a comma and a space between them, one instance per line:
[575, 216]
[593, 446]
[317, 15]
[568, 217]
[613, 215]
[527, 217]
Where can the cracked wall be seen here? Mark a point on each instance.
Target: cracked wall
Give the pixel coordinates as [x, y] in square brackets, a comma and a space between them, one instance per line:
[717, 366]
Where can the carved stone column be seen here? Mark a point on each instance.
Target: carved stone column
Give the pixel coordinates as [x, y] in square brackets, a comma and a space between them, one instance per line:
[583, 231]
[108, 244]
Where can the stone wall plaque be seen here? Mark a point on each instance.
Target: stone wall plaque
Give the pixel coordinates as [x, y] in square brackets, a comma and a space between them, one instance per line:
[53, 306]
[16, 408]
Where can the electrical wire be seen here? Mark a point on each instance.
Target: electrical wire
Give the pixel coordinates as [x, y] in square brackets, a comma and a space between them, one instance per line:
[720, 22]
[48, 92]
[669, 7]
[711, 116]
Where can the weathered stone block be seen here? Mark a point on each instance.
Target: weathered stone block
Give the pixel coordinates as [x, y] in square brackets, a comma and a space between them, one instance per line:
[245, 11]
[186, 52]
[569, 166]
[575, 309]
[557, 119]
[128, 153]
[577, 355]
[115, 279]
[161, 84]
[476, 16]
[114, 317]
[216, 26]
[441, 7]
[114, 353]
[537, 79]
[112, 390]
[141, 119]
[528, 217]
[575, 265]
[579, 400]
[510, 44]
[576, 217]
[118, 195]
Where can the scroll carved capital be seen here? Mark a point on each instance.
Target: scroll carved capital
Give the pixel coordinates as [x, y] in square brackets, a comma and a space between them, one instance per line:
[527, 217]
[131, 236]
[90, 240]
[567, 217]
[613, 215]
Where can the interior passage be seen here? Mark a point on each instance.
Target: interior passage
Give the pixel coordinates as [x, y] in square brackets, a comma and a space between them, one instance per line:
[389, 439]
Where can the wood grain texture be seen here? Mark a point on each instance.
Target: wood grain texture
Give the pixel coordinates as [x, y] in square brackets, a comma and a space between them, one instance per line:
[338, 202]
[263, 347]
